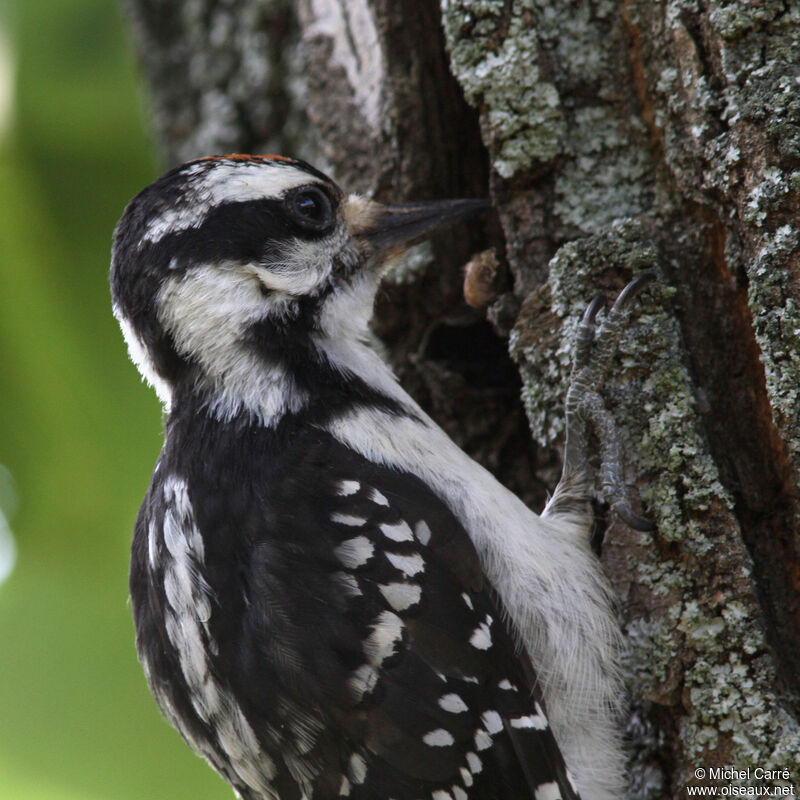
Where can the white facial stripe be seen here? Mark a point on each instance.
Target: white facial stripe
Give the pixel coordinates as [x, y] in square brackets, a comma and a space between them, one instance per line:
[138, 354]
[345, 339]
[174, 220]
[209, 310]
[345, 316]
[304, 265]
[233, 182]
[243, 180]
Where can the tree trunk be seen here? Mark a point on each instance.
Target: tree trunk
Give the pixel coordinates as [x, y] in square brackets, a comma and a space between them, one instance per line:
[614, 137]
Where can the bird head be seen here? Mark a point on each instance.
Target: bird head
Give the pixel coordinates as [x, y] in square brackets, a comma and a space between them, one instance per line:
[234, 265]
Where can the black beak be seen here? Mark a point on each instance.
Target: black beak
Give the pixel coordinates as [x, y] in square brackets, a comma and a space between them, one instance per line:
[408, 223]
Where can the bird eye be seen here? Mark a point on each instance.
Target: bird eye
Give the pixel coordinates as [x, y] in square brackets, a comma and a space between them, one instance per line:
[311, 207]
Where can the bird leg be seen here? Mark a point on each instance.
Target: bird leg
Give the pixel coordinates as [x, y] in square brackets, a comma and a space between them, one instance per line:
[585, 411]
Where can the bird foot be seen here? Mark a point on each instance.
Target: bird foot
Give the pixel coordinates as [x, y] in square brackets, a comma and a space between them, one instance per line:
[585, 412]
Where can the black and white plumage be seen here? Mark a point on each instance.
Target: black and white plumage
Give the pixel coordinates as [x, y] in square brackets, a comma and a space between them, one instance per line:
[331, 599]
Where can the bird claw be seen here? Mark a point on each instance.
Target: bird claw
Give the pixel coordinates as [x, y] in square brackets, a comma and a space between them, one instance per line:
[585, 411]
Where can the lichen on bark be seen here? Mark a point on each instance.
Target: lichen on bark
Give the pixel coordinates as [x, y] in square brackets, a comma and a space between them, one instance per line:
[699, 650]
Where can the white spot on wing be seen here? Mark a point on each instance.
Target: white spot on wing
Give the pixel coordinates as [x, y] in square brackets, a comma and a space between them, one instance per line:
[506, 685]
[363, 681]
[348, 519]
[357, 768]
[547, 791]
[467, 601]
[459, 793]
[536, 721]
[422, 532]
[356, 552]
[438, 738]
[397, 532]
[452, 703]
[474, 763]
[466, 776]
[378, 498]
[481, 638]
[344, 787]
[387, 633]
[482, 740]
[401, 596]
[346, 488]
[492, 721]
[410, 565]
[441, 794]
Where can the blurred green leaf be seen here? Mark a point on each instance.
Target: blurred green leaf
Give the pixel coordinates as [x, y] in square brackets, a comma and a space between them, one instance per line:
[79, 432]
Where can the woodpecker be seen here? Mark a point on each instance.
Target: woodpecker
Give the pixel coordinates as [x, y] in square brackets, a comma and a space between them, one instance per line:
[331, 599]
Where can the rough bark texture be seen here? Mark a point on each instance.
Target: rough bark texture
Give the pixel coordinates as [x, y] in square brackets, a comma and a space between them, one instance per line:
[614, 136]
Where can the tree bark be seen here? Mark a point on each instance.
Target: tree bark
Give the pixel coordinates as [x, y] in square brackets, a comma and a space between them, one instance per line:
[614, 137]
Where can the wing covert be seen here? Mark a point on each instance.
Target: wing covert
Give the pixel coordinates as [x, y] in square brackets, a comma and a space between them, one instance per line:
[396, 654]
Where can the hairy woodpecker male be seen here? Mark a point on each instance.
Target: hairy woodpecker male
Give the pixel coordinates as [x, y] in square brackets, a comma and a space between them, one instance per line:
[331, 599]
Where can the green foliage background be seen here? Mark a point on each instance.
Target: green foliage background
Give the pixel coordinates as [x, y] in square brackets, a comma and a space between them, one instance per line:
[79, 433]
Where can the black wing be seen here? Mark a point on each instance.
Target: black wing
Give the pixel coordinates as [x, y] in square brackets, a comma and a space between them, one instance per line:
[335, 636]
[393, 670]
